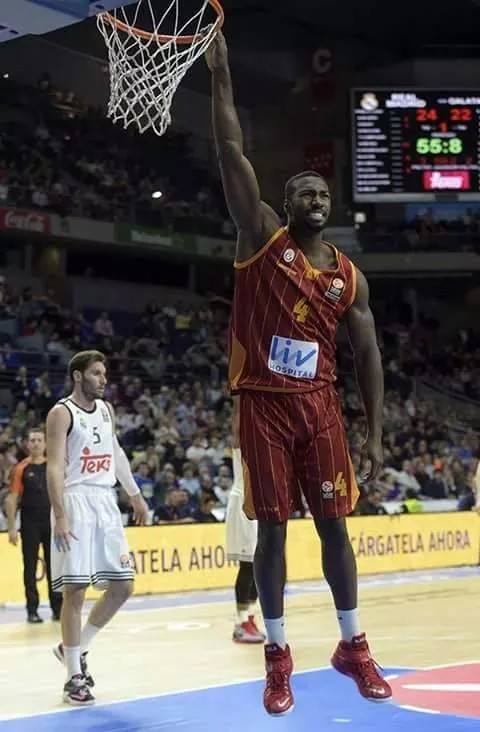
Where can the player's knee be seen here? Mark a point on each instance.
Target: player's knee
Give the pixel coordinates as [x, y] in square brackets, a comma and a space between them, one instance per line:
[74, 597]
[271, 537]
[121, 590]
[332, 530]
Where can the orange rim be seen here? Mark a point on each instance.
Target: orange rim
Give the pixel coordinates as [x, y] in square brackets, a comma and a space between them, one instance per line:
[165, 38]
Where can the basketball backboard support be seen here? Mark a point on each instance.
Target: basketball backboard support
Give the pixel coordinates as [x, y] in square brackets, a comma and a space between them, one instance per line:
[22, 17]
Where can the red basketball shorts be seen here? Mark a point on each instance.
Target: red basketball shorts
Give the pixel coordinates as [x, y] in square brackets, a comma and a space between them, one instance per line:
[293, 444]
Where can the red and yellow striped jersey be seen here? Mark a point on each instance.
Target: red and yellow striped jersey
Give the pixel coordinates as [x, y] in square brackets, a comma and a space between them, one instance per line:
[285, 316]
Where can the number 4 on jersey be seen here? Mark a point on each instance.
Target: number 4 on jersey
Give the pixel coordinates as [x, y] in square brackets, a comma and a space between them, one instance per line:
[301, 310]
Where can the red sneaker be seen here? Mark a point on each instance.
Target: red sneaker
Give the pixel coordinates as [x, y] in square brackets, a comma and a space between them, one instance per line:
[255, 629]
[246, 633]
[354, 660]
[278, 697]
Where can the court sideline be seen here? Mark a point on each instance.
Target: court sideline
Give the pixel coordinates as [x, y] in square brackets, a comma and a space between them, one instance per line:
[167, 662]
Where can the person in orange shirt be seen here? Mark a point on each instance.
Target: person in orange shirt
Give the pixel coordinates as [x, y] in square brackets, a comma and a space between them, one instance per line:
[28, 487]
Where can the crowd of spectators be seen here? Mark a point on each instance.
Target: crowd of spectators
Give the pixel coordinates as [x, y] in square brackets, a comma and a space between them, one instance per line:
[430, 450]
[58, 155]
[427, 230]
[167, 382]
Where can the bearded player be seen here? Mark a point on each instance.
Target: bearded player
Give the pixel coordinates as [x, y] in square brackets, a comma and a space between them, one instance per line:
[292, 289]
[89, 545]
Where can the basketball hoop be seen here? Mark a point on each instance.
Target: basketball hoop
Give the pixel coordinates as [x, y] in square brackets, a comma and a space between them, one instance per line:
[146, 66]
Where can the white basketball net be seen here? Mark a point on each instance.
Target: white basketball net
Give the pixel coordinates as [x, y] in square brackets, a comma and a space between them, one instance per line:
[145, 72]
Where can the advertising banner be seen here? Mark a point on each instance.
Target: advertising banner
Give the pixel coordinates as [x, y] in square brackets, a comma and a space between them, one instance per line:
[179, 558]
[34, 222]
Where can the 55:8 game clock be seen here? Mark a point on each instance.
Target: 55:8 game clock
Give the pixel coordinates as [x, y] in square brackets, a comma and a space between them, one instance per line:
[415, 145]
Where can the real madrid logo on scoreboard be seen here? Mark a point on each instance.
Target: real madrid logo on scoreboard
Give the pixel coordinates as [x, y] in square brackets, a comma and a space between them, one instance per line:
[415, 144]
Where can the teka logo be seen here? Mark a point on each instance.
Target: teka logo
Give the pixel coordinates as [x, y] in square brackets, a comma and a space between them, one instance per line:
[290, 357]
[451, 180]
[94, 463]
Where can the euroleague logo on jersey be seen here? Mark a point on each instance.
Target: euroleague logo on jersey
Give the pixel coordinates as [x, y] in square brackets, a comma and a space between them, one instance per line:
[336, 289]
[288, 256]
[327, 489]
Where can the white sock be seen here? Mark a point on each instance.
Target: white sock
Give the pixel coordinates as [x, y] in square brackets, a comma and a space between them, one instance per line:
[349, 624]
[72, 660]
[242, 616]
[88, 634]
[276, 631]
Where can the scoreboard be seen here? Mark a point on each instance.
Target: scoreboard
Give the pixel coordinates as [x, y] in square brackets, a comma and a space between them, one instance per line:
[415, 145]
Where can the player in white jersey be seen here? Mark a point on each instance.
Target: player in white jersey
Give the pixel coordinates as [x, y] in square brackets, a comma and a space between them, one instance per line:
[89, 545]
[241, 540]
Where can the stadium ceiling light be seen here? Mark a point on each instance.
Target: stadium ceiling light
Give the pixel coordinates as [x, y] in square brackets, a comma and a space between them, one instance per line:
[157, 194]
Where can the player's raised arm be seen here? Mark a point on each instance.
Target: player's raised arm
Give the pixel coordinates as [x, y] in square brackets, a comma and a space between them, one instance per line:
[253, 218]
[368, 366]
[58, 425]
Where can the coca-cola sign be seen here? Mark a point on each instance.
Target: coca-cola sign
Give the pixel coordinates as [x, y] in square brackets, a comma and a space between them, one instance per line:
[32, 221]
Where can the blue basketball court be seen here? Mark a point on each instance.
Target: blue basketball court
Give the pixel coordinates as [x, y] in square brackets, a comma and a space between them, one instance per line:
[324, 701]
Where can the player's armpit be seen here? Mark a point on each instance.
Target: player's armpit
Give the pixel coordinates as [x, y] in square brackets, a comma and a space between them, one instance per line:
[248, 244]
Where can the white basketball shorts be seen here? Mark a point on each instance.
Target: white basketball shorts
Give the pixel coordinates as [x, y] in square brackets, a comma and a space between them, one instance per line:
[100, 553]
[241, 533]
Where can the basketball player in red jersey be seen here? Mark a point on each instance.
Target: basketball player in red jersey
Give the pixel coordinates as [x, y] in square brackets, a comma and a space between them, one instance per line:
[292, 289]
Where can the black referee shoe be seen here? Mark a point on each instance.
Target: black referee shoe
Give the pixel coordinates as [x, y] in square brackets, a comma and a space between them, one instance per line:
[34, 618]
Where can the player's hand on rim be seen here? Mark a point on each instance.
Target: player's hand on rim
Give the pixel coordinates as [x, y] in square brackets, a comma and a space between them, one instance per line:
[373, 450]
[62, 535]
[140, 510]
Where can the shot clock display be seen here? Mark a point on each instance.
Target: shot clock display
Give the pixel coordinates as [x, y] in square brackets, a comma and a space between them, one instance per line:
[415, 145]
